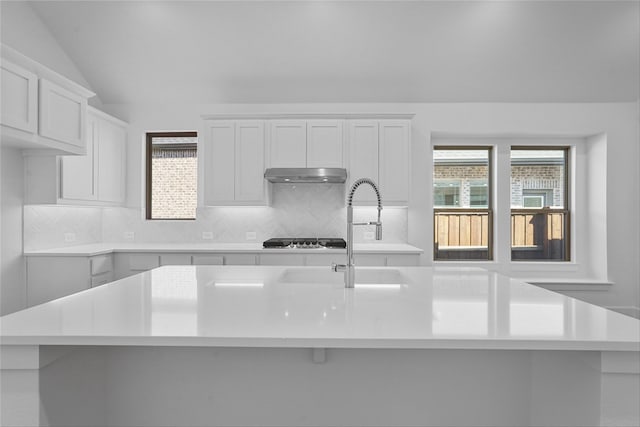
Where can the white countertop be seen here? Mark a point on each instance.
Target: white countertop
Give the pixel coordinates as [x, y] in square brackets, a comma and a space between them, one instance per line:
[251, 306]
[104, 248]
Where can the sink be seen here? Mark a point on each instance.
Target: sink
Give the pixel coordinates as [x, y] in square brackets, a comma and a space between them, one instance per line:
[364, 276]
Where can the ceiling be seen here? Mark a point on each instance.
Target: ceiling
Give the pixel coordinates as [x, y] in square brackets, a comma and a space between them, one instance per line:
[344, 51]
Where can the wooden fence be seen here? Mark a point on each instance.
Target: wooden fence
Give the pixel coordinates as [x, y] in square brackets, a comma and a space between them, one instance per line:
[534, 235]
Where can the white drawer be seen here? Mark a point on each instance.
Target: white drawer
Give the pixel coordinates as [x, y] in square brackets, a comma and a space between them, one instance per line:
[101, 279]
[175, 259]
[143, 262]
[207, 260]
[101, 264]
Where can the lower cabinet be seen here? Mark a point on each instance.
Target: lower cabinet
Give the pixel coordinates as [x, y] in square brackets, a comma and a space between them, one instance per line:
[128, 264]
[52, 277]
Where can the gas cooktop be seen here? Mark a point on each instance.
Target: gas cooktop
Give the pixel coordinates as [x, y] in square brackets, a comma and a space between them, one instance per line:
[305, 243]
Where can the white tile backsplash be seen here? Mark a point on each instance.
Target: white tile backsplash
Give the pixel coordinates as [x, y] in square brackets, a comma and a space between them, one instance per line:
[299, 210]
[47, 226]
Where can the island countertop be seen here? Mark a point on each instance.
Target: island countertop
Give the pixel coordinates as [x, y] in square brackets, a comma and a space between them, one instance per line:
[251, 306]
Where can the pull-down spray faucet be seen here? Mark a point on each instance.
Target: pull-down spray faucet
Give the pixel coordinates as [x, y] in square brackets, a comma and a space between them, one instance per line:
[349, 268]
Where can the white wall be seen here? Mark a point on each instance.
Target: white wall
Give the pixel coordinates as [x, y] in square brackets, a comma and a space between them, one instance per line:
[617, 121]
[12, 267]
[22, 29]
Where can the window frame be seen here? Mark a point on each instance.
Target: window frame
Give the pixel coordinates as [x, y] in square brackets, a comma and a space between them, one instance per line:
[148, 169]
[471, 210]
[545, 210]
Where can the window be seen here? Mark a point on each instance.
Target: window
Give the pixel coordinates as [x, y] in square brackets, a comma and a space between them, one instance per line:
[462, 203]
[171, 175]
[539, 204]
[446, 193]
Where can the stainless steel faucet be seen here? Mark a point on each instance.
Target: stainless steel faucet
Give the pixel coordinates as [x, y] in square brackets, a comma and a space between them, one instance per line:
[349, 268]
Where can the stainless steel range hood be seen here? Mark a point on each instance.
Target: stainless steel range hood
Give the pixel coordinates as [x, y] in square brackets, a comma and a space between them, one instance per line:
[306, 175]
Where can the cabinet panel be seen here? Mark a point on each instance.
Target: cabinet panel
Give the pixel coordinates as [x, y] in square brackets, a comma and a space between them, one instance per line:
[288, 144]
[62, 114]
[281, 259]
[240, 259]
[110, 162]
[406, 260]
[325, 144]
[363, 156]
[143, 262]
[175, 259]
[394, 161]
[77, 174]
[19, 98]
[370, 260]
[98, 176]
[325, 260]
[49, 278]
[207, 260]
[101, 264]
[102, 279]
[249, 161]
[219, 162]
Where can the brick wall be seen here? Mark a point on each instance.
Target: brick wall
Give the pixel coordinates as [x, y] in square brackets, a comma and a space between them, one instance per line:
[523, 177]
[174, 184]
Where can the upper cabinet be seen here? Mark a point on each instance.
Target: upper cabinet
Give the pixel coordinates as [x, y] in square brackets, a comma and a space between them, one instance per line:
[306, 144]
[96, 178]
[379, 149]
[233, 162]
[41, 109]
[19, 98]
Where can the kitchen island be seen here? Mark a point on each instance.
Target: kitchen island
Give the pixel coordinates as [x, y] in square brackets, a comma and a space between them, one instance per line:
[249, 345]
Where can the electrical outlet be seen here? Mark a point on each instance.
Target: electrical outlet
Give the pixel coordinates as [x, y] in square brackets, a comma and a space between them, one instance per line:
[129, 235]
[250, 235]
[369, 235]
[207, 235]
[69, 237]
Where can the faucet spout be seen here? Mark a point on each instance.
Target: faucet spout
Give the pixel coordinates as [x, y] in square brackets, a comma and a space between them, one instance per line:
[349, 268]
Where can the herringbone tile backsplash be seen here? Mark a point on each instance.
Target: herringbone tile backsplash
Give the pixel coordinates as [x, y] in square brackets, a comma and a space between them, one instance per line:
[297, 210]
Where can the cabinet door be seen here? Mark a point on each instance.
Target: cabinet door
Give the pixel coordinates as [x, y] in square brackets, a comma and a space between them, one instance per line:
[363, 156]
[288, 144]
[19, 98]
[249, 161]
[325, 144]
[219, 162]
[77, 173]
[49, 278]
[394, 161]
[62, 114]
[110, 162]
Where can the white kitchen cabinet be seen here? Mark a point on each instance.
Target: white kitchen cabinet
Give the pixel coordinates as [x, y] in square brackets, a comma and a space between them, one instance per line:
[288, 144]
[282, 259]
[51, 277]
[233, 163]
[40, 108]
[393, 161]
[62, 114]
[128, 264]
[325, 144]
[97, 178]
[380, 149]
[19, 98]
[306, 144]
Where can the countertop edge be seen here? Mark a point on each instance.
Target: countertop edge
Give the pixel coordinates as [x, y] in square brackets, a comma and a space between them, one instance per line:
[329, 343]
[401, 249]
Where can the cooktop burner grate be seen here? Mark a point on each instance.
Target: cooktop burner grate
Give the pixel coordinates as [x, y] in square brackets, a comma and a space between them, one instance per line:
[305, 243]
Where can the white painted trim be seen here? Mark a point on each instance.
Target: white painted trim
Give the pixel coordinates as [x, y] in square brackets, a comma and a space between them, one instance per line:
[305, 116]
[43, 72]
